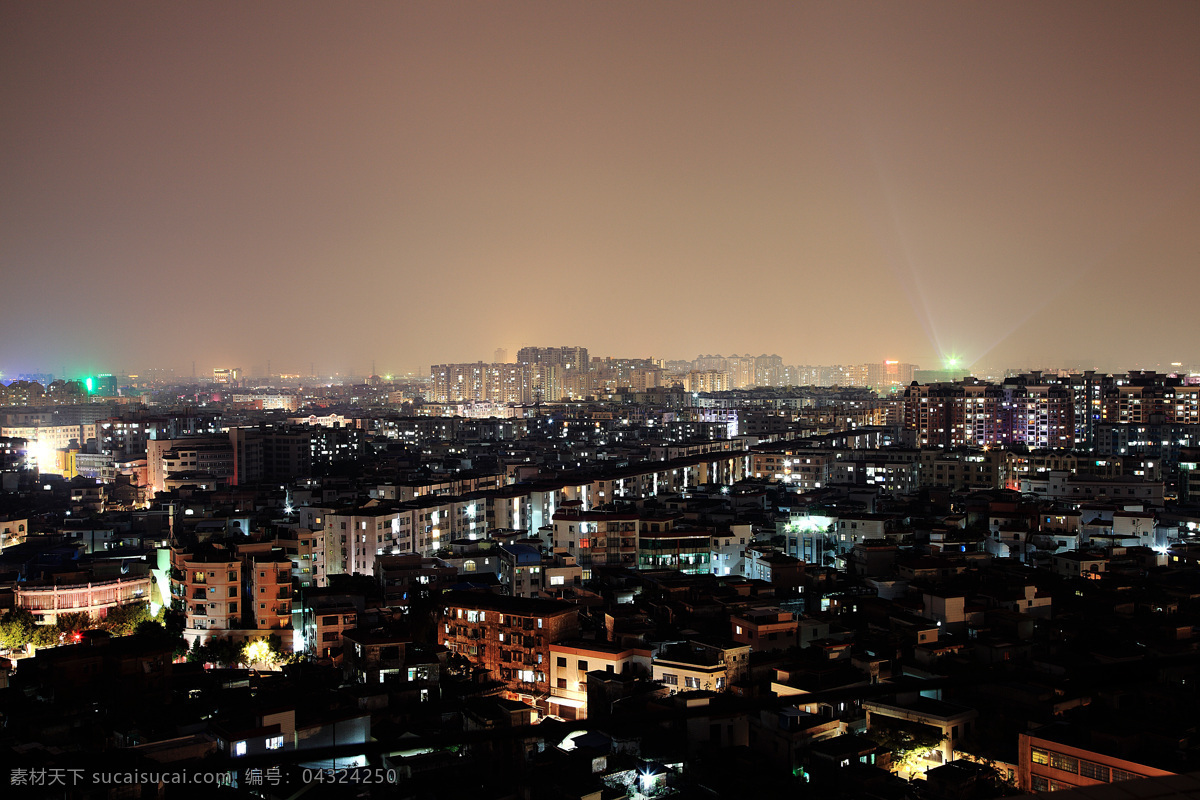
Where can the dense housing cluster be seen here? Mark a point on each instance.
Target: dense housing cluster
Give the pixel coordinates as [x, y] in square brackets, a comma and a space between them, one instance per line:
[581, 577]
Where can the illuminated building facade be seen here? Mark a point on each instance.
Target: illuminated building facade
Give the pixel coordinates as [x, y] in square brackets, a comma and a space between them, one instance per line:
[209, 584]
[984, 415]
[500, 384]
[227, 376]
[707, 381]
[354, 538]
[1058, 757]
[884, 377]
[569, 358]
[570, 663]
[508, 636]
[270, 592]
[663, 545]
[43, 441]
[92, 595]
[597, 538]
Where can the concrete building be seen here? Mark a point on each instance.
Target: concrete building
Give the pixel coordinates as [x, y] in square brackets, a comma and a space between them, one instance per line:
[697, 665]
[1058, 757]
[80, 592]
[510, 637]
[410, 578]
[951, 722]
[597, 538]
[324, 619]
[571, 661]
[269, 592]
[209, 583]
[765, 629]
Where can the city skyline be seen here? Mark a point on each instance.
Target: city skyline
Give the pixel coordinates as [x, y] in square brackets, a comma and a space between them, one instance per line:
[422, 184]
[738, 371]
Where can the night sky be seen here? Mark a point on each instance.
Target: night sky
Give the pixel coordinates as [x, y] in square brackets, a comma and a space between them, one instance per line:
[1016, 183]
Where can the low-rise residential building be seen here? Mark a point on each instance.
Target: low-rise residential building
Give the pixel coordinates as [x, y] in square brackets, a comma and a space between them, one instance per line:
[693, 664]
[306, 550]
[765, 629]
[597, 538]
[688, 550]
[376, 656]
[1057, 757]
[208, 583]
[269, 592]
[950, 721]
[508, 636]
[12, 531]
[1079, 564]
[766, 563]
[411, 577]
[325, 619]
[520, 570]
[81, 592]
[571, 661]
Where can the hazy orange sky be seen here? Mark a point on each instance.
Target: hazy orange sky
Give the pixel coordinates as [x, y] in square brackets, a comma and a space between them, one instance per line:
[410, 183]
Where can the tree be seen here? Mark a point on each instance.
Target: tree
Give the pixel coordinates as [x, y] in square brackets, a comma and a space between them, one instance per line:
[150, 631]
[907, 742]
[222, 652]
[122, 620]
[268, 651]
[971, 748]
[72, 624]
[45, 636]
[75, 623]
[16, 628]
[174, 620]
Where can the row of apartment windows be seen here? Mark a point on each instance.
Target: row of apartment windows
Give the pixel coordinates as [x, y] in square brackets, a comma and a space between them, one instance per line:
[1078, 766]
[689, 681]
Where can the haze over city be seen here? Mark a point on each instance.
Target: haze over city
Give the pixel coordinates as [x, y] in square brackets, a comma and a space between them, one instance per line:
[616, 400]
[329, 187]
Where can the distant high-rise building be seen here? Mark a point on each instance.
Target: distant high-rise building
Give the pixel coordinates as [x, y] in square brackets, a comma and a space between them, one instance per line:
[709, 362]
[227, 376]
[574, 358]
[1038, 415]
[769, 370]
[706, 381]
[742, 370]
[885, 376]
[501, 356]
[103, 385]
[497, 383]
